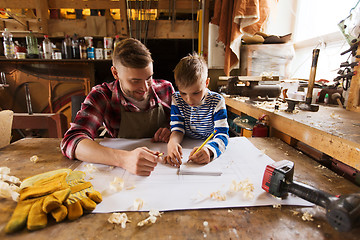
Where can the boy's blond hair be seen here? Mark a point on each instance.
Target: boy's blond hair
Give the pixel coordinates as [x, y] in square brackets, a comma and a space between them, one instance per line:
[190, 69]
[131, 53]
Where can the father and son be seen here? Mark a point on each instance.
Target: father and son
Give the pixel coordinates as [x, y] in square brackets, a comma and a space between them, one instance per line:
[137, 106]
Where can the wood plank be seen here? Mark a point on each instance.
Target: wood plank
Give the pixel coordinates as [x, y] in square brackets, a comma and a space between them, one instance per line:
[180, 5]
[17, 4]
[333, 131]
[124, 19]
[42, 15]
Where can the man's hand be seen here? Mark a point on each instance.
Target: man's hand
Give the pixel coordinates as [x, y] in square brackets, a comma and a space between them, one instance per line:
[140, 161]
[201, 157]
[162, 135]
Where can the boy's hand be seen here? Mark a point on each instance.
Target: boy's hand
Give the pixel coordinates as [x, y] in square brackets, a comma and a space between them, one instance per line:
[174, 154]
[201, 157]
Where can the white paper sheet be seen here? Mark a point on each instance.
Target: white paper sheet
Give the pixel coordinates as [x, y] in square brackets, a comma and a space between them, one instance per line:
[164, 190]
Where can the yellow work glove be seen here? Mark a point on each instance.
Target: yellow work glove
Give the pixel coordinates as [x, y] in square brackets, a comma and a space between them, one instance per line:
[39, 195]
[82, 197]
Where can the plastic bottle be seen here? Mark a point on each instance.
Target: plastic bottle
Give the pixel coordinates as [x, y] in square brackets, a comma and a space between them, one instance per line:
[32, 46]
[326, 99]
[75, 47]
[47, 48]
[9, 48]
[117, 40]
[67, 48]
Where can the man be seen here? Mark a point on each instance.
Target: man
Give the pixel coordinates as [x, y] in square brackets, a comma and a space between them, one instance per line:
[133, 106]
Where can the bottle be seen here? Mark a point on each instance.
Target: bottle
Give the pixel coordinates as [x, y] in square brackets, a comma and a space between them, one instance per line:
[47, 48]
[32, 46]
[75, 47]
[326, 99]
[67, 48]
[82, 47]
[117, 40]
[90, 53]
[9, 47]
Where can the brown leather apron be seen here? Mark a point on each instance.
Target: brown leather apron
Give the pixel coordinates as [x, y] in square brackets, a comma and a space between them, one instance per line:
[142, 124]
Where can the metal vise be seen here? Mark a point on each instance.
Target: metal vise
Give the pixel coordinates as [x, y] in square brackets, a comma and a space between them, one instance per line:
[248, 86]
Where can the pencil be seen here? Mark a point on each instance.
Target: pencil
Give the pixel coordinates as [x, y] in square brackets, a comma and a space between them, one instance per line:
[202, 145]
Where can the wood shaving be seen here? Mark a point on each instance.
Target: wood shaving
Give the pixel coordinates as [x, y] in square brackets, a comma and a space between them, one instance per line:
[90, 168]
[119, 218]
[307, 217]
[11, 179]
[34, 159]
[218, 196]
[320, 167]
[295, 213]
[4, 170]
[9, 191]
[138, 204]
[206, 228]
[153, 214]
[150, 219]
[117, 184]
[246, 186]
[130, 187]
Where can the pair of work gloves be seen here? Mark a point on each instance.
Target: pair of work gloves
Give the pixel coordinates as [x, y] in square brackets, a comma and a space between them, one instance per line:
[61, 193]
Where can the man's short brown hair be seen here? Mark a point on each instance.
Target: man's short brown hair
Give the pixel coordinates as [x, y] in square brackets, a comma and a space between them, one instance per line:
[190, 69]
[131, 53]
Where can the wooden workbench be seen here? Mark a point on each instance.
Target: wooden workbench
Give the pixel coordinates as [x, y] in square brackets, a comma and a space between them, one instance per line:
[332, 130]
[238, 223]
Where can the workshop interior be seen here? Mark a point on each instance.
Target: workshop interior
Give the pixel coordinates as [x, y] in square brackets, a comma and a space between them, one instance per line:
[288, 72]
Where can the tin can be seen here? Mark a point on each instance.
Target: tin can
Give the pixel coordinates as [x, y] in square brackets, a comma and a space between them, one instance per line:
[108, 42]
[57, 55]
[107, 53]
[88, 41]
[99, 53]
[91, 53]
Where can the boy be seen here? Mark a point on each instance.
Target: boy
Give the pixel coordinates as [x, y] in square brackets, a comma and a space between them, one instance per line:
[196, 112]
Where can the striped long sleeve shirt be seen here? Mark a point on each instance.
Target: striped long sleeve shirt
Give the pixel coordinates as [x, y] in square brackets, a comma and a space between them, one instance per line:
[199, 122]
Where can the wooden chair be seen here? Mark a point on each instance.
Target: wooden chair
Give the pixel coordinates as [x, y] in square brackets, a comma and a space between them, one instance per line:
[6, 119]
[55, 123]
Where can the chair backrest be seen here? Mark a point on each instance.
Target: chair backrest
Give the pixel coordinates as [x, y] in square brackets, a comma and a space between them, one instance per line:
[76, 102]
[6, 119]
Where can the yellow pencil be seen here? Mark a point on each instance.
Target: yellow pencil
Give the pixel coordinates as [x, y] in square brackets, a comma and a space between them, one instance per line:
[211, 135]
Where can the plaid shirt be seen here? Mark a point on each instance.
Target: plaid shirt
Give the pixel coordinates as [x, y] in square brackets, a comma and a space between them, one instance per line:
[102, 107]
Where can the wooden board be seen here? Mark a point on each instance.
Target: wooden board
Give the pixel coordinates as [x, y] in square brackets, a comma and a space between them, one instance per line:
[238, 223]
[331, 130]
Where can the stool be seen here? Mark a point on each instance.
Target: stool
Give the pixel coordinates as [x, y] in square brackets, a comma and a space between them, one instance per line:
[55, 123]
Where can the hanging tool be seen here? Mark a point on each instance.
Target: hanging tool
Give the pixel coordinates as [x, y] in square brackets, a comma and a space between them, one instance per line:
[3, 82]
[28, 99]
[342, 212]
